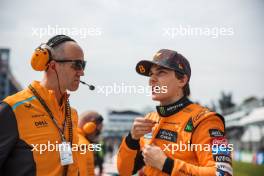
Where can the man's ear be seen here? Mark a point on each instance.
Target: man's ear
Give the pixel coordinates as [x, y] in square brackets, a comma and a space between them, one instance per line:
[52, 65]
[184, 80]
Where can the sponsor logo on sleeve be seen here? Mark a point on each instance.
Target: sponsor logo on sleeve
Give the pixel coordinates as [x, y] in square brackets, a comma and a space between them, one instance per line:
[220, 150]
[222, 158]
[222, 173]
[219, 141]
[225, 167]
[216, 133]
[220, 146]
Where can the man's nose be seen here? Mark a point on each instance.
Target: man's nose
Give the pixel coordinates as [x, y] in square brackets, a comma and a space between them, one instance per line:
[153, 79]
[80, 72]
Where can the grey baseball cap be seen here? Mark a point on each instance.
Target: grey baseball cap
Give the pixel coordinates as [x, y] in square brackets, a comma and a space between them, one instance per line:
[166, 58]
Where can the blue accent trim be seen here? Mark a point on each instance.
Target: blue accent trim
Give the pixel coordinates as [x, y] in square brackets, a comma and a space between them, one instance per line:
[22, 102]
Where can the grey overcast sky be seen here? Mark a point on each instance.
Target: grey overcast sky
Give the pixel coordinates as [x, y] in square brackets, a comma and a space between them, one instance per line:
[121, 32]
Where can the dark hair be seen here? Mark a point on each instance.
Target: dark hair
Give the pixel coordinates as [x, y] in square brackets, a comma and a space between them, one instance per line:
[58, 39]
[186, 88]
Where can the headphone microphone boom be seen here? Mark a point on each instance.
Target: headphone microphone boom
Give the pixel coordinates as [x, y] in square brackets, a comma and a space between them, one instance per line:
[91, 87]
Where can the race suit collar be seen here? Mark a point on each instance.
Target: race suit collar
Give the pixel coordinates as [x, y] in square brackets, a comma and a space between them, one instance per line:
[168, 110]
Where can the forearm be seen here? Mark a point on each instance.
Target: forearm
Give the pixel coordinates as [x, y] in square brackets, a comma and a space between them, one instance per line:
[129, 158]
[176, 167]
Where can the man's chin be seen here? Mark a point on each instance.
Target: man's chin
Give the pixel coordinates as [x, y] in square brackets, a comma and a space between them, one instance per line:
[156, 97]
[74, 88]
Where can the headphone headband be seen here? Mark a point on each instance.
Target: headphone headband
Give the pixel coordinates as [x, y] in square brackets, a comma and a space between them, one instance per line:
[58, 39]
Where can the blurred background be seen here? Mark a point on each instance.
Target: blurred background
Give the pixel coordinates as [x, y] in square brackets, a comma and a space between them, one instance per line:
[223, 40]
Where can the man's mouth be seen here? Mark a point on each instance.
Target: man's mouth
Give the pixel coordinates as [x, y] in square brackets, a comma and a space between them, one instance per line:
[153, 89]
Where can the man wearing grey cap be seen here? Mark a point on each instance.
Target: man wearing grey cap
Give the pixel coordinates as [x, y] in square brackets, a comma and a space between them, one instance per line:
[165, 142]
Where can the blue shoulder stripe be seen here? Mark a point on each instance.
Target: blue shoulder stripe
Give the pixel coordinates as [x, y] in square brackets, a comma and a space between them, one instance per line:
[22, 102]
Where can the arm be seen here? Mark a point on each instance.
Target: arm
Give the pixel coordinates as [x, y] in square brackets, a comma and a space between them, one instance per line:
[208, 162]
[129, 159]
[8, 133]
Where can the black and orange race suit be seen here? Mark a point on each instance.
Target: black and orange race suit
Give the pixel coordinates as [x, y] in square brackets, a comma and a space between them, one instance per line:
[26, 127]
[182, 124]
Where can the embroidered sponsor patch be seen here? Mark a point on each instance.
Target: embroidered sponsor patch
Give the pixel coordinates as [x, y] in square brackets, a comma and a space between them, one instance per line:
[216, 133]
[220, 146]
[221, 150]
[219, 141]
[162, 111]
[201, 114]
[222, 173]
[189, 126]
[224, 167]
[223, 158]
[167, 135]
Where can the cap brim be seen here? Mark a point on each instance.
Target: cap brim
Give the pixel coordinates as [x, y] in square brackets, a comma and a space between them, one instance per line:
[143, 67]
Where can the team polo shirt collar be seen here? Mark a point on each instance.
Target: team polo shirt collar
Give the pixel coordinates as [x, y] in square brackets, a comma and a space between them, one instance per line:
[46, 94]
[168, 110]
[50, 99]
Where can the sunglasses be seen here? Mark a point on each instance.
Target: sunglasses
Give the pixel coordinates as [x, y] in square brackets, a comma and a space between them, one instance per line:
[77, 64]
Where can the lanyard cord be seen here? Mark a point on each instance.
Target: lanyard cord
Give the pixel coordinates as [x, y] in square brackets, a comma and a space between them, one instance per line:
[67, 115]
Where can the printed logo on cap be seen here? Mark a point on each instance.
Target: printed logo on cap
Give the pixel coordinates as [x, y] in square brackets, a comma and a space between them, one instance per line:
[141, 69]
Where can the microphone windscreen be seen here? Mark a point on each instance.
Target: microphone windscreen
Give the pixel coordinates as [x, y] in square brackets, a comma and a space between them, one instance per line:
[91, 87]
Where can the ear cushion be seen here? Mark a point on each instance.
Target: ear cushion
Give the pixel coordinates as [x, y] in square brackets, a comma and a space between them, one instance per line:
[39, 59]
[89, 127]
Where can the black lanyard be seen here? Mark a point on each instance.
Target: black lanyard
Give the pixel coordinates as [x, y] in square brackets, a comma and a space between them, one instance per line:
[67, 119]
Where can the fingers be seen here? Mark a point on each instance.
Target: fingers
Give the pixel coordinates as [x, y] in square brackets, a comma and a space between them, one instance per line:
[141, 126]
[145, 157]
[141, 132]
[143, 122]
[153, 157]
[146, 161]
[142, 119]
[150, 150]
[146, 153]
